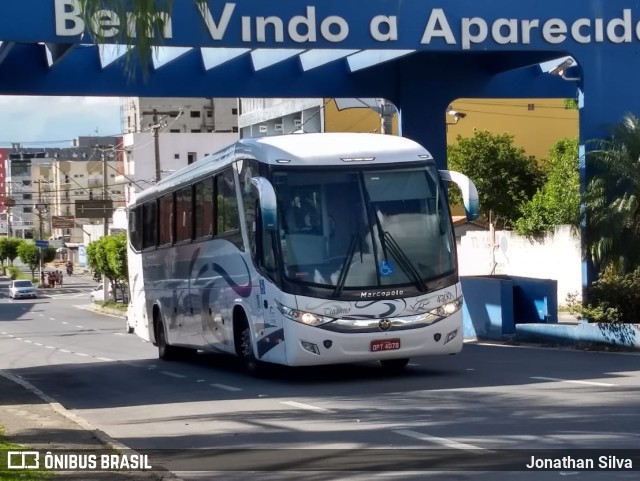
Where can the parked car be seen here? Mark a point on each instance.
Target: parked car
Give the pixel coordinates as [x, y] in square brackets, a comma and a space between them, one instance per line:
[121, 294]
[22, 289]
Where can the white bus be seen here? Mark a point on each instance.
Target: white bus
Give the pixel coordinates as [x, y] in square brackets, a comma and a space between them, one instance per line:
[301, 249]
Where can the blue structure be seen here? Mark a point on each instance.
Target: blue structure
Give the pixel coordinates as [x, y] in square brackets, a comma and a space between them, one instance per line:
[420, 55]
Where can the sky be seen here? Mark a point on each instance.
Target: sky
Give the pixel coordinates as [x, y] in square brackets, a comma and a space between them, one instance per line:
[56, 121]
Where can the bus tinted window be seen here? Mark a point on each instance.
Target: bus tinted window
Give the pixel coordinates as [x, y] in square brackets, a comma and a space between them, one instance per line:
[204, 208]
[184, 220]
[165, 218]
[150, 223]
[135, 231]
[227, 203]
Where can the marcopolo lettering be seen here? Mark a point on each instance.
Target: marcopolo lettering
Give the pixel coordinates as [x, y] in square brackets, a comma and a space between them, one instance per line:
[371, 294]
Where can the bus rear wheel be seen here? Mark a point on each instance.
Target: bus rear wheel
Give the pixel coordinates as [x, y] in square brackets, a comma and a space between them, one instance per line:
[394, 365]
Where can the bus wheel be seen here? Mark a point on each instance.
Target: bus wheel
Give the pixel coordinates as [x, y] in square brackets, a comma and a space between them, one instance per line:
[165, 351]
[251, 364]
[394, 365]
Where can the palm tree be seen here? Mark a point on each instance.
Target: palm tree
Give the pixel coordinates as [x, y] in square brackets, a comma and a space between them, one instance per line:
[612, 200]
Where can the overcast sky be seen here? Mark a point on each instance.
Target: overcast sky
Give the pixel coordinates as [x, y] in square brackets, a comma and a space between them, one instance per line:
[55, 121]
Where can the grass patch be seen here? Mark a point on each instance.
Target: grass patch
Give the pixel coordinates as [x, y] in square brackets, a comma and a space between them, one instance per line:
[119, 306]
[17, 474]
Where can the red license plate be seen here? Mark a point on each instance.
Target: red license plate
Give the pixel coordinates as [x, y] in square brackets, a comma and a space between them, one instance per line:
[385, 345]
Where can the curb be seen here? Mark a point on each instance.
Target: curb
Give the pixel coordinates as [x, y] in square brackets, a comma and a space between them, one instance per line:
[101, 436]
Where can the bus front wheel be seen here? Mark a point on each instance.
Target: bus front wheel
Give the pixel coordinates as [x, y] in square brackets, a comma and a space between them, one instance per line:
[165, 351]
[251, 363]
[394, 365]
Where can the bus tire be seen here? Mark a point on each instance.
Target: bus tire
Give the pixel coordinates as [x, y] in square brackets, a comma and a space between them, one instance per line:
[251, 363]
[394, 365]
[166, 352]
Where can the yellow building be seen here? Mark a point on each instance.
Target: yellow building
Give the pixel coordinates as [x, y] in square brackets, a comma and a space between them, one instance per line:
[535, 124]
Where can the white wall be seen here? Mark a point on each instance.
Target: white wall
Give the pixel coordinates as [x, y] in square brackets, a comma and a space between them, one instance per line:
[557, 256]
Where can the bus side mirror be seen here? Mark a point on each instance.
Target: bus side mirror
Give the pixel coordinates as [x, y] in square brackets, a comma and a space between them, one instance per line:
[468, 189]
[268, 206]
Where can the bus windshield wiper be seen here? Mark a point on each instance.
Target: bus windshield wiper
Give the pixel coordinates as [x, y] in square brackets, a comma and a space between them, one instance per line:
[342, 278]
[403, 261]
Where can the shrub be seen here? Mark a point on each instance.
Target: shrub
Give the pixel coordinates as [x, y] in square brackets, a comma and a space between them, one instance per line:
[13, 272]
[613, 297]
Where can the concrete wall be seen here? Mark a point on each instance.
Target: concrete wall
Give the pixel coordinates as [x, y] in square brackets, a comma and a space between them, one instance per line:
[557, 257]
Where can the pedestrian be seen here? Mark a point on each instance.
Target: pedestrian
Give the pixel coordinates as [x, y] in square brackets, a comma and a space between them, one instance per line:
[51, 279]
[42, 276]
[60, 278]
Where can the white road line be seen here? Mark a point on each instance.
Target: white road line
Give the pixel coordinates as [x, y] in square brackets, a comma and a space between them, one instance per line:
[42, 315]
[64, 350]
[226, 387]
[104, 359]
[81, 354]
[38, 344]
[172, 374]
[309, 407]
[28, 341]
[118, 333]
[50, 347]
[53, 319]
[586, 383]
[449, 443]
[63, 322]
[80, 327]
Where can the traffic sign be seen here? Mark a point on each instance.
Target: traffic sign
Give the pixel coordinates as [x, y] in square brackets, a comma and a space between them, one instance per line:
[42, 243]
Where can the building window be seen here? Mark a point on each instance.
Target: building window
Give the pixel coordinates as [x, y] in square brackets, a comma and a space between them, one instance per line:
[234, 129]
[27, 210]
[531, 107]
[174, 131]
[195, 114]
[191, 157]
[209, 113]
[27, 196]
[176, 156]
[234, 111]
[195, 131]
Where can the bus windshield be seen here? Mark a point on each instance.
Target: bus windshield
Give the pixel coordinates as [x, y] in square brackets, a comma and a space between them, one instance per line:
[344, 229]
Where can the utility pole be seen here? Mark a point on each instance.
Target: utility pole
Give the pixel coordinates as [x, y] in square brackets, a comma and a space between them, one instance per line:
[387, 111]
[105, 285]
[155, 130]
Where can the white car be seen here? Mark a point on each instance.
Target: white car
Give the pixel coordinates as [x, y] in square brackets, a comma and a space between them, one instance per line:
[97, 295]
[22, 289]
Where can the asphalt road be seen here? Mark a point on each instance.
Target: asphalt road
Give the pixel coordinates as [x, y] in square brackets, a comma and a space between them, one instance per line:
[488, 400]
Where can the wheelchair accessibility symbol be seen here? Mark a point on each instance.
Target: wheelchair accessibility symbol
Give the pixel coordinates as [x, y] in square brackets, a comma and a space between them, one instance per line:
[386, 268]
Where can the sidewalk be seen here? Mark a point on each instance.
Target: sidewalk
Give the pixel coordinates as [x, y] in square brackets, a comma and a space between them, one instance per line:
[39, 423]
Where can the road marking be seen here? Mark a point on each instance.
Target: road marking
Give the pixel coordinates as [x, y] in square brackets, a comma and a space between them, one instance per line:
[586, 383]
[53, 319]
[50, 347]
[172, 374]
[118, 333]
[28, 341]
[225, 387]
[104, 359]
[63, 322]
[80, 327]
[449, 443]
[64, 350]
[81, 354]
[309, 407]
[38, 344]
[42, 315]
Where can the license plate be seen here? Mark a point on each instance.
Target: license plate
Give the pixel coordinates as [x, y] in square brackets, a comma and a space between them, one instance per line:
[385, 345]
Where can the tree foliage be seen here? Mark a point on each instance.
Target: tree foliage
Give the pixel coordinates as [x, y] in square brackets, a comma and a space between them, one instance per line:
[558, 201]
[30, 255]
[611, 200]
[9, 249]
[108, 257]
[504, 175]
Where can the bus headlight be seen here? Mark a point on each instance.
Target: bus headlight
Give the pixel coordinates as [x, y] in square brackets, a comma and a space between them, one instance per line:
[445, 310]
[303, 317]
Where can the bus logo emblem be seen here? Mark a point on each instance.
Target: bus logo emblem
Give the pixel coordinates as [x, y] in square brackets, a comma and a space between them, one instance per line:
[384, 324]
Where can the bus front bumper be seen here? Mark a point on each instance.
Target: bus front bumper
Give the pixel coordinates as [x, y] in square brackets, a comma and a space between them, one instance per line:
[311, 346]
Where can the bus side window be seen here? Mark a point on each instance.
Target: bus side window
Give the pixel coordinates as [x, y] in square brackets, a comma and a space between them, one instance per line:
[227, 211]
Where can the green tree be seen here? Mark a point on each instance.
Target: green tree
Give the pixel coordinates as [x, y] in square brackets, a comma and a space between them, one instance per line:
[612, 199]
[11, 248]
[30, 255]
[3, 252]
[558, 201]
[108, 257]
[504, 175]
